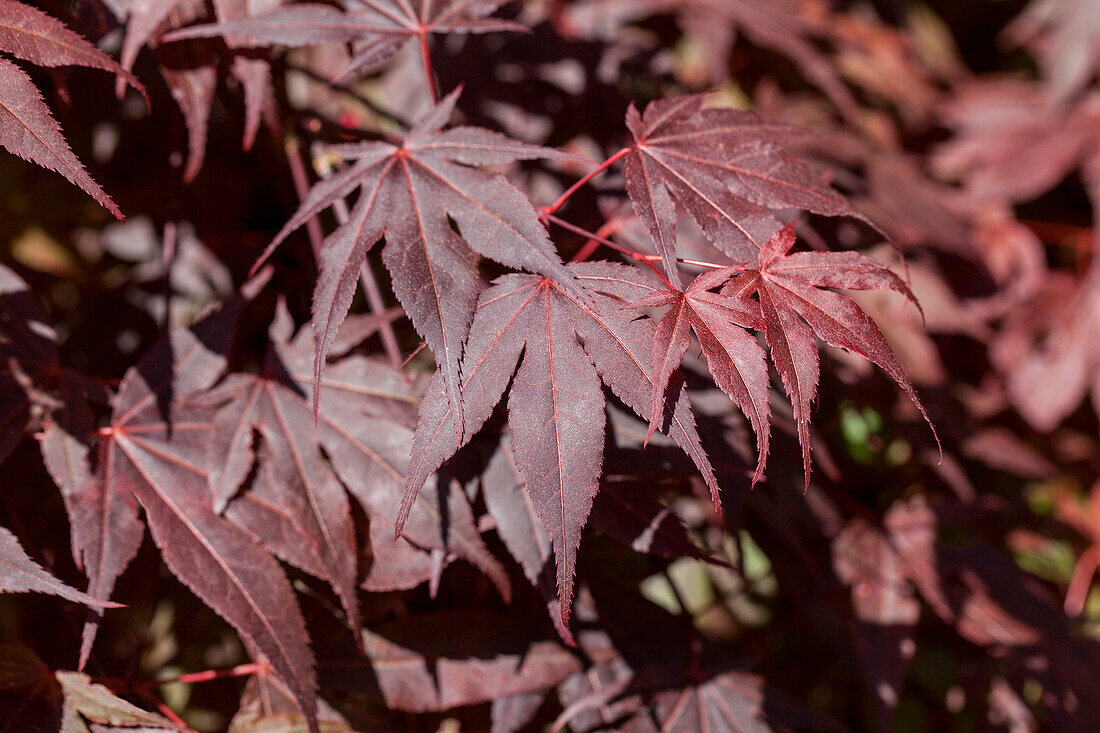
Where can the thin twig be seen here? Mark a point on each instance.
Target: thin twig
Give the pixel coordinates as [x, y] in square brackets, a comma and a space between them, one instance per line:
[576, 186]
[301, 187]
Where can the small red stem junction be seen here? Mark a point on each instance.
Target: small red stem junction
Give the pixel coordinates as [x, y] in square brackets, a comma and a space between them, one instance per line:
[546, 213]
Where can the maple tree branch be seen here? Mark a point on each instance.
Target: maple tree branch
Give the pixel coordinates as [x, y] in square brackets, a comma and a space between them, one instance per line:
[165, 710]
[241, 670]
[606, 229]
[301, 188]
[425, 53]
[576, 186]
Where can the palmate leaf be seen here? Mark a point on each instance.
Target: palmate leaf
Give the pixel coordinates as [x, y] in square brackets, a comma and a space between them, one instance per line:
[154, 453]
[191, 73]
[725, 168]
[795, 306]
[377, 28]
[735, 358]
[296, 503]
[408, 194]
[556, 404]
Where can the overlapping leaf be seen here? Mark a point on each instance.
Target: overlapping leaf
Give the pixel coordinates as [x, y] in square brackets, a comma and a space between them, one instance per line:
[556, 404]
[191, 72]
[724, 167]
[408, 194]
[154, 452]
[436, 661]
[795, 306]
[296, 504]
[735, 358]
[26, 126]
[377, 28]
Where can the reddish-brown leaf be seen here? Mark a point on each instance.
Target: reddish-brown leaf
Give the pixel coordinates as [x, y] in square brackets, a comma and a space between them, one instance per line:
[155, 451]
[556, 406]
[725, 168]
[735, 358]
[28, 130]
[795, 307]
[20, 574]
[409, 194]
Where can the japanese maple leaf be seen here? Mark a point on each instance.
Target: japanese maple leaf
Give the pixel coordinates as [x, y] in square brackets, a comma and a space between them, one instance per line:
[296, 504]
[48, 700]
[408, 193]
[154, 453]
[735, 358]
[795, 306]
[725, 168]
[377, 28]
[27, 128]
[556, 402]
[1013, 141]
[191, 72]
[20, 574]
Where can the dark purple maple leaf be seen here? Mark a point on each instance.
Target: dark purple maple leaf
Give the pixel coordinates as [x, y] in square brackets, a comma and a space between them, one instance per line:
[795, 307]
[377, 29]
[407, 193]
[725, 168]
[556, 404]
[154, 453]
[191, 72]
[735, 358]
[20, 574]
[296, 504]
[27, 128]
